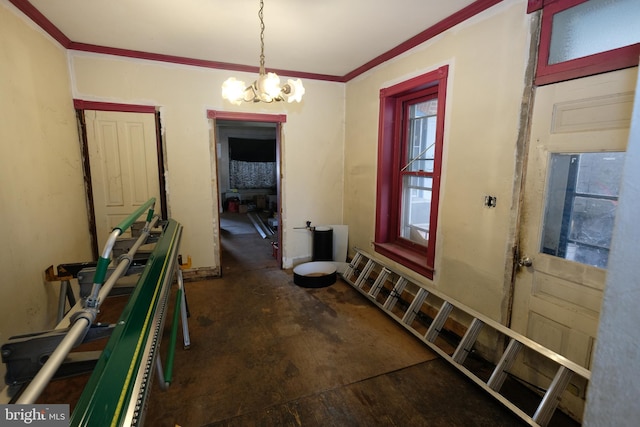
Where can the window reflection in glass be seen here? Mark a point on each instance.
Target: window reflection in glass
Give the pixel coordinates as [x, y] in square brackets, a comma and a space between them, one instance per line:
[581, 200]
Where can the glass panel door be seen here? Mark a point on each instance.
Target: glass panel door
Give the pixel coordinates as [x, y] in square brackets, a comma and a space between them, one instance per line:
[581, 199]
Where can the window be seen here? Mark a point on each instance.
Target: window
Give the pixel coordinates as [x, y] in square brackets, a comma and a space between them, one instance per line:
[417, 172]
[581, 200]
[584, 37]
[409, 163]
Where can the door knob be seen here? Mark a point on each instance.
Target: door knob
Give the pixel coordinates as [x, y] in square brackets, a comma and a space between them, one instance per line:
[525, 262]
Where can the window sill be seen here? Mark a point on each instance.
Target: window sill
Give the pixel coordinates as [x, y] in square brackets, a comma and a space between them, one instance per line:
[406, 257]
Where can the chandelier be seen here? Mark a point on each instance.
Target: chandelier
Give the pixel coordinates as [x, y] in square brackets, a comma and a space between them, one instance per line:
[266, 88]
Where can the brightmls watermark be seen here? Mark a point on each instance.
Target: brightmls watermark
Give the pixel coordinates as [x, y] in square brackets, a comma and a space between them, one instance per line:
[34, 415]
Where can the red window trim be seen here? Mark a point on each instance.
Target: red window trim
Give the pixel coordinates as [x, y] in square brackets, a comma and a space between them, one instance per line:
[387, 241]
[546, 73]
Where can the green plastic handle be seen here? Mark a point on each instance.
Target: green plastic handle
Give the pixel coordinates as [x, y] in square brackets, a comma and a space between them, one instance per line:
[126, 223]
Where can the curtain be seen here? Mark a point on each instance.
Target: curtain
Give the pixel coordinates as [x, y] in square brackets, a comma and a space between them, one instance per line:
[252, 174]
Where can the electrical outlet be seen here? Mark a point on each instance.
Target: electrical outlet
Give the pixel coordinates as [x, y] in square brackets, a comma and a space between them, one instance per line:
[490, 201]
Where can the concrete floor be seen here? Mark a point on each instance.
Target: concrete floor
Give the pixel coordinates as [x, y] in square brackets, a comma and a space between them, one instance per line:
[266, 352]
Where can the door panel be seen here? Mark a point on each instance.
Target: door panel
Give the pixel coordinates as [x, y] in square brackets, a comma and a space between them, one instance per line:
[556, 300]
[555, 290]
[124, 166]
[575, 345]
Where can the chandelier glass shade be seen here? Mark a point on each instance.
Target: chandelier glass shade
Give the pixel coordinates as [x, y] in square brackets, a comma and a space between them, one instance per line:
[266, 88]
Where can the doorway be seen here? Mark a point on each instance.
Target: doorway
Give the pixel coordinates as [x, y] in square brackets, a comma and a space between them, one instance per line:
[248, 168]
[123, 164]
[579, 133]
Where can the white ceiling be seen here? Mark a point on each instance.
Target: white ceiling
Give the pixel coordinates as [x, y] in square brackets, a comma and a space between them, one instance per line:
[332, 37]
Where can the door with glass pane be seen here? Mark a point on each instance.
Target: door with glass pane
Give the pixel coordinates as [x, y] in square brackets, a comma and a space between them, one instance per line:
[579, 133]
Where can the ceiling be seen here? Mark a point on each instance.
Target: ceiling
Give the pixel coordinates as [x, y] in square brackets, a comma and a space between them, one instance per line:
[322, 37]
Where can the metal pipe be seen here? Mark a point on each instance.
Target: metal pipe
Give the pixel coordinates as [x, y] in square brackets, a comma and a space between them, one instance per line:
[183, 311]
[42, 378]
[257, 226]
[161, 382]
[80, 325]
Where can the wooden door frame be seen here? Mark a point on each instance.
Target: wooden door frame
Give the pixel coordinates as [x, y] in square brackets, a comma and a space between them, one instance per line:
[520, 171]
[276, 119]
[82, 105]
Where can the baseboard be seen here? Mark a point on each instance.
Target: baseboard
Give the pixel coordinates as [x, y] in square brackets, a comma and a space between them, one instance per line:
[201, 273]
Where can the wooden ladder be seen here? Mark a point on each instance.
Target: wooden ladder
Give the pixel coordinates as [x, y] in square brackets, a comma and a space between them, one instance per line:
[386, 288]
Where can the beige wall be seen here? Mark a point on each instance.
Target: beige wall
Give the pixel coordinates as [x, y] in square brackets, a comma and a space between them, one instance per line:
[487, 57]
[42, 197]
[43, 216]
[329, 168]
[312, 155]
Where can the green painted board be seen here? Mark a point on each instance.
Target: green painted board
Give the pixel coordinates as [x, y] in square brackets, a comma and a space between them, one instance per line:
[107, 394]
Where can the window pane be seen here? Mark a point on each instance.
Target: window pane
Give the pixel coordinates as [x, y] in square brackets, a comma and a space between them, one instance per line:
[416, 208]
[422, 136]
[600, 173]
[582, 195]
[592, 221]
[593, 27]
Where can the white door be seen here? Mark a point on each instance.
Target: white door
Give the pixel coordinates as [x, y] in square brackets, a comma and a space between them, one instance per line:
[124, 166]
[579, 133]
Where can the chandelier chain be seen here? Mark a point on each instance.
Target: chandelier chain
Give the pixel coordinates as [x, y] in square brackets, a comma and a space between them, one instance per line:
[261, 16]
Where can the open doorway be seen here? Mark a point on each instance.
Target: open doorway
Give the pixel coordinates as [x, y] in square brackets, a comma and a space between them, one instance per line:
[248, 172]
